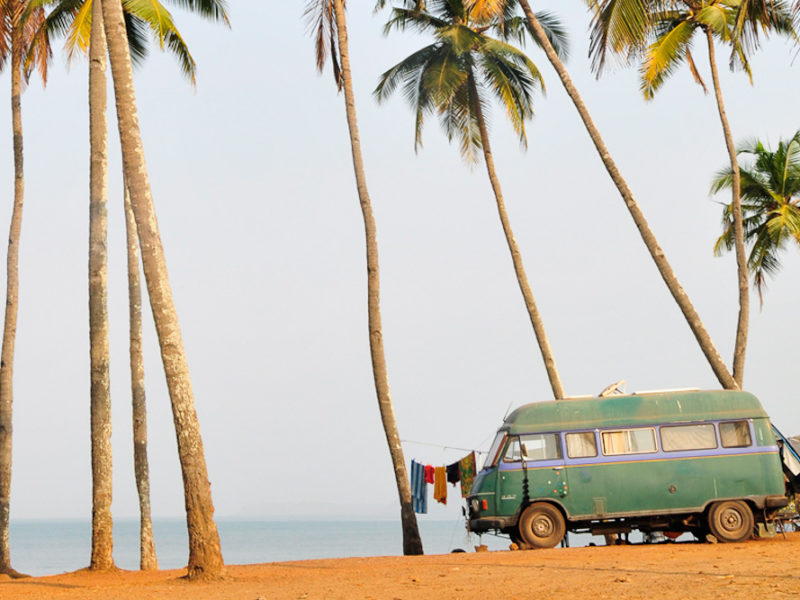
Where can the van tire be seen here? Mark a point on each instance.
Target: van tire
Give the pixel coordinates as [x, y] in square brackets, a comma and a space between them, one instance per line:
[542, 525]
[731, 521]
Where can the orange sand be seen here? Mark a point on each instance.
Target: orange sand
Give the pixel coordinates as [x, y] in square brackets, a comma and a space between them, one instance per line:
[755, 569]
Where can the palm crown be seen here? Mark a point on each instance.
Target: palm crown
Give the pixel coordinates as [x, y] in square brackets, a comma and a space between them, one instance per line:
[770, 204]
[33, 47]
[661, 32]
[73, 18]
[451, 76]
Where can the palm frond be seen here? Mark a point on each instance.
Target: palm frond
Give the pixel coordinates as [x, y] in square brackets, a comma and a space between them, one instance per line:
[320, 21]
[404, 18]
[620, 27]
[664, 56]
[79, 30]
[176, 44]
[459, 121]
[716, 18]
[556, 33]
[482, 12]
[410, 73]
[136, 30]
[36, 50]
[443, 75]
[164, 30]
[407, 69]
[698, 79]
[512, 77]
[460, 38]
[754, 18]
[214, 10]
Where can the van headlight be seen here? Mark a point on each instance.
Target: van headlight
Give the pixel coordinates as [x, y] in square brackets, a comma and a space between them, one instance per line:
[474, 505]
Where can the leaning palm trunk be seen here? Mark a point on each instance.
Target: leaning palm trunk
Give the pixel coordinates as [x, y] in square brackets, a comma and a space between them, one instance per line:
[147, 550]
[12, 297]
[205, 555]
[412, 543]
[743, 276]
[516, 256]
[667, 274]
[102, 525]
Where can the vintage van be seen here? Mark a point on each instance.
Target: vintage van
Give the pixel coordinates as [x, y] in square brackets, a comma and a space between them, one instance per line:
[698, 461]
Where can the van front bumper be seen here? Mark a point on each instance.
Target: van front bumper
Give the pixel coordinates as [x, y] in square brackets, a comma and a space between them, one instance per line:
[484, 524]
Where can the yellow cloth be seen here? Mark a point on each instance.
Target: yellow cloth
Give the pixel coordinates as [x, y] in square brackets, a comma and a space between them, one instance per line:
[440, 484]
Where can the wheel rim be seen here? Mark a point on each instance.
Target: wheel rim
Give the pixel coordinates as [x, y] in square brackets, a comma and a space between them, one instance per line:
[543, 526]
[731, 520]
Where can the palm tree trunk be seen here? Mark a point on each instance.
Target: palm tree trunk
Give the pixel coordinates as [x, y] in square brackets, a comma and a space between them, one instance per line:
[743, 276]
[412, 543]
[102, 524]
[664, 268]
[205, 555]
[516, 256]
[12, 297]
[148, 560]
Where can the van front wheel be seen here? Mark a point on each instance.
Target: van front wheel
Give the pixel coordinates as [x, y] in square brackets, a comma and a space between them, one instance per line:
[542, 525]
[730, 521]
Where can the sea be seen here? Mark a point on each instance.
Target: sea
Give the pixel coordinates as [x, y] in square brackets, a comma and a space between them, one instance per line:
[44, 547]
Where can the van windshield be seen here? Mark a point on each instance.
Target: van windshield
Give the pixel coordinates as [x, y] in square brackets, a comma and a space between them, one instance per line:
[491, 459]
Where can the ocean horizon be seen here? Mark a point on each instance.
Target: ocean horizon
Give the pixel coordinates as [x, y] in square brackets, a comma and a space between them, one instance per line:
[49, 547]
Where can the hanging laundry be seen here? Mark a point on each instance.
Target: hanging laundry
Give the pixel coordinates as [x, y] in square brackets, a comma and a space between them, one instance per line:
[466, 467]
[429, 474]
[440, 485]
[453, 474]
[419, 489]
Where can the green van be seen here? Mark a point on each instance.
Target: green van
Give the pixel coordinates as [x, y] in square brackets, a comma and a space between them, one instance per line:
[697, 461]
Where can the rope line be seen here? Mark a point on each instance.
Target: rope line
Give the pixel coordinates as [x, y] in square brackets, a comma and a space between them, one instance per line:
[442, 447]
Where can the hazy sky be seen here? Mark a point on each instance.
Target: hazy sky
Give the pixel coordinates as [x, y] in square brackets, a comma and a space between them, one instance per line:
[256, 200]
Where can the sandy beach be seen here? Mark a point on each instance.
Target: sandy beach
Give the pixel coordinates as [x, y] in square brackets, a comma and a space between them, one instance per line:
[754, 569]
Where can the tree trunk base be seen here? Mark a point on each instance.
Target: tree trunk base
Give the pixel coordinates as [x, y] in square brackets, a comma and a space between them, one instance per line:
[112, 568]
[13, 573]
[198, 574]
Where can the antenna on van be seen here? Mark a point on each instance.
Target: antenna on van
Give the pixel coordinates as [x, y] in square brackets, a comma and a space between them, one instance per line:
[508, 410]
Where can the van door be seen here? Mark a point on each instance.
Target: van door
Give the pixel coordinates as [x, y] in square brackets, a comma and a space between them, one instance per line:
[532, 468]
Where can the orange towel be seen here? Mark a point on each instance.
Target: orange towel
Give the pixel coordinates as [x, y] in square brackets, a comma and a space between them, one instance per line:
[440, 484]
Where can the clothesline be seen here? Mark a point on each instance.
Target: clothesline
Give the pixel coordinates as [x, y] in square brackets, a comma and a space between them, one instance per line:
[443, 447]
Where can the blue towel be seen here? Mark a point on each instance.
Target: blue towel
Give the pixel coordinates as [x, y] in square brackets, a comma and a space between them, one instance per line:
[419, 488]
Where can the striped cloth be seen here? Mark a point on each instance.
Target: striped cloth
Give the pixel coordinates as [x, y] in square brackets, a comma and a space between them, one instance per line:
[419, 488]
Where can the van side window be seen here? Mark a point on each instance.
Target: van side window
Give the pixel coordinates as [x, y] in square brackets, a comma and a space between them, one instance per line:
[581, 445]
[735, 434]
[688, 437]
[629, 441]
[533, 446]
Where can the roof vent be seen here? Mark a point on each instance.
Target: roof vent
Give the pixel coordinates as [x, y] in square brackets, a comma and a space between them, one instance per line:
[613, 389]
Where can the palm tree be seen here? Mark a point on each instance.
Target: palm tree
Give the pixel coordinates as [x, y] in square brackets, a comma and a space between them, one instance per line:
[148, 559]
[20, 44]
[771, 205]
[205, 555]
[74, 18]
[452, 77]
[661, 32]
[330, 27]
[100, 393]
[541, 37]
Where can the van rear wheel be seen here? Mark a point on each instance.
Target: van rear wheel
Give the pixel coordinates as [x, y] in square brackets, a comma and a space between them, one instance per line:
[542, 525]
[730, 521]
